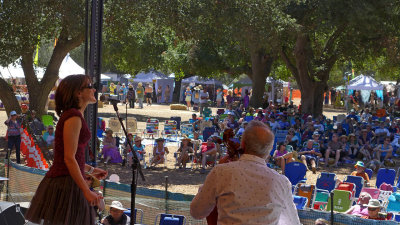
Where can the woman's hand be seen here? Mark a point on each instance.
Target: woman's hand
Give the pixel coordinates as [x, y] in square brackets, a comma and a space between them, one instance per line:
[92, 197]
[99, 173]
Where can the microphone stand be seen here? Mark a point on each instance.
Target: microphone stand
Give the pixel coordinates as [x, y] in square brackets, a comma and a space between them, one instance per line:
[135, 165]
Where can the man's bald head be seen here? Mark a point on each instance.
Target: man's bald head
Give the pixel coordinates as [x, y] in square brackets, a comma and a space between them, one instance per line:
[257, 139]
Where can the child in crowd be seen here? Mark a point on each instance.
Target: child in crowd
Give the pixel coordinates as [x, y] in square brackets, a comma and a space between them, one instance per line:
[360, 172]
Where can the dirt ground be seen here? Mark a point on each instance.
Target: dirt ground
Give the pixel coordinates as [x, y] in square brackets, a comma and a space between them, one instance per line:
[179, 180]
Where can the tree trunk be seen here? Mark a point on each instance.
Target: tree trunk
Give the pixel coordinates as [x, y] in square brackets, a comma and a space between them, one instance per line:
[8, 98]
[261, 64]
[319, 91]
[39, 91]
[177, 91]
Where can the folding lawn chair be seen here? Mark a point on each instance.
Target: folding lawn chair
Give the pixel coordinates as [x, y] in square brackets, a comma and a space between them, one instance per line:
[369, 172]
[47, 120]
[248, 118]
[152, 126]
[186, 129]
[344, 186]
[132, 126]
[114, 125]
[170, 219]
[393, 203]
[128, 213]
[326, 181]
[169, 128]
[307, 191]
[342, 201]
[295, 172]
[384, 196]
[358, 181]
[178, 120]
[207, 132]
[374, 192]
[385, 175]
[320, 199]
[300, 202]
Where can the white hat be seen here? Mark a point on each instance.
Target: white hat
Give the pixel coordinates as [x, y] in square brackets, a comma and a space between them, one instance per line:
[12, 113]
[114, 178]
[117, 205]
[373, 203]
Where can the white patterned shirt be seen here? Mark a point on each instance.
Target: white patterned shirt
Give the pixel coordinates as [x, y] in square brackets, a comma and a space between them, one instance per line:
[246, 192]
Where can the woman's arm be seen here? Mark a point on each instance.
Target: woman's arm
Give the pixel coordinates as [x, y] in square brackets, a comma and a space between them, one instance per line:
[71, 137]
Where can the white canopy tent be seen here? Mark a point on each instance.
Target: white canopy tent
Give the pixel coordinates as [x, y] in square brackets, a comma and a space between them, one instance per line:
[363, 82]
[14, 70]
[160, 80]
[69, 66]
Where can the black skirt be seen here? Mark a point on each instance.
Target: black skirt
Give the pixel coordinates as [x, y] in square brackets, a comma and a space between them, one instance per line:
[59, 201]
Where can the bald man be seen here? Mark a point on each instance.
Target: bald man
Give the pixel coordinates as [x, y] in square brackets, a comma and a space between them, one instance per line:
[247, 191]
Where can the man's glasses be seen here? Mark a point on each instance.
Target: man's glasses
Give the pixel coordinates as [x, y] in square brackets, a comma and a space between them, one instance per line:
[89, 86]
[372, 209]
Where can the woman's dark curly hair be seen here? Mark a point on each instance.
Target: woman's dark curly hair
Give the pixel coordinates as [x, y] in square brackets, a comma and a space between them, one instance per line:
[67, 91]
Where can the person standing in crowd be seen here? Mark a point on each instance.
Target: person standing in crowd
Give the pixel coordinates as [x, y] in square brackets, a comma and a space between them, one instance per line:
[130, 96]
[246, 99]
[167, 94]
[36, 124]
[140, 94]
[14, 135]
[149, 94]
[159, 94]
[49, 137]
[333, 96]
[204, 96]
[229, 98]
[112, 88]
[188, 97]
[122, 93]
[248, 192]
[63, 196]
[219, 97]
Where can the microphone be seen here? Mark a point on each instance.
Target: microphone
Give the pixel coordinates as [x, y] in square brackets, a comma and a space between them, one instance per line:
[114, 102]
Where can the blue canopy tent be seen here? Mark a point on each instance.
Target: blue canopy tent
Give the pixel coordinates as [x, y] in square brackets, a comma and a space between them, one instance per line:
[159, 78]
[196, 80]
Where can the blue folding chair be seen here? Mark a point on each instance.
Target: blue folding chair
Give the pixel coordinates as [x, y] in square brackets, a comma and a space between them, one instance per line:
[248, 118]
[385, 176]
[300, 201]
[296, 172]
[326, 181]
[369, 172]
[170, 219]
[358, 181]
[393, 203]
[207, 132]
[128, 213]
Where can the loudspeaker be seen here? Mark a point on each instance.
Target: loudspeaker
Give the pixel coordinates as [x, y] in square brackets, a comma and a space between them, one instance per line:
[10, 214]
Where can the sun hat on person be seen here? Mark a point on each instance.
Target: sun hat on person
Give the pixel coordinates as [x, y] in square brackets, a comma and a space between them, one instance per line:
[359, 164]
[316, 133]
[186, 138]
[12, 113]
[138, 138]
[160, 139]
[117, 205]
[373, 203]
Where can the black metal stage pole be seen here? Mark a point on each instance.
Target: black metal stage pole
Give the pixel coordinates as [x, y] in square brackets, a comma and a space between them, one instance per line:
[136, 168]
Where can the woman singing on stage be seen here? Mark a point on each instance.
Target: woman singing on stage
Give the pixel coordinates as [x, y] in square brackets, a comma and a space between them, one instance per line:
[63, 197]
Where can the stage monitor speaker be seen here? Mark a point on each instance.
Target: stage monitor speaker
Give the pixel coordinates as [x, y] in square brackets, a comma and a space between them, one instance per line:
[10, 215]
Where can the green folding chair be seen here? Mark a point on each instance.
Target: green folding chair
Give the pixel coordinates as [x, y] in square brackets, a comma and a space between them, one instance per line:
[321, 199]
[342, 201]
[47, 120]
